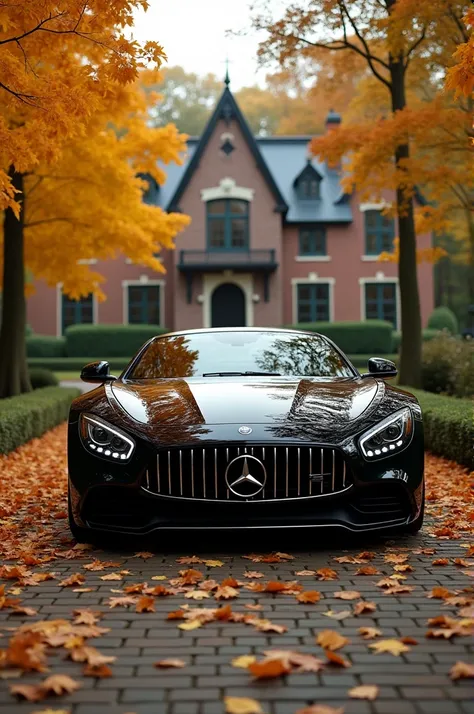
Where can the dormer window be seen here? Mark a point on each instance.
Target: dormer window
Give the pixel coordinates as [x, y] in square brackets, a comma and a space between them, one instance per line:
[307, 184]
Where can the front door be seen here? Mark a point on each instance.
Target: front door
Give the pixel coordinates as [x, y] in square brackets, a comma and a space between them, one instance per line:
[228, 306]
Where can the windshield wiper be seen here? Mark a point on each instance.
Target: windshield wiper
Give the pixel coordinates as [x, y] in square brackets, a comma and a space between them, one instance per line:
[241, 374]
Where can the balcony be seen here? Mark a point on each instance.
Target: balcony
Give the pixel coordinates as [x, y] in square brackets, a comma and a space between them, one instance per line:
[208, 261]
[217, 260]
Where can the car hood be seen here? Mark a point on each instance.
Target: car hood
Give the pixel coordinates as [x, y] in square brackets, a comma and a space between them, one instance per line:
[262, 400]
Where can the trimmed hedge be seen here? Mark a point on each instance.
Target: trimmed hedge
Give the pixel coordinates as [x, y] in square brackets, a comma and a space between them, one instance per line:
[114, 340]
[45, 346]
[442, 318]
[72, 364]
[31, 415]
[449, 426]
[360, 361]
[42, 378]
[374, 336]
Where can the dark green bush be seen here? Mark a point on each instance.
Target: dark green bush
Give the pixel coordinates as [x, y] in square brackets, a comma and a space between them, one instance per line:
[442, 318]
[75, 364]
[374, 336]
[31, 415]
[360, 361]
[426, 336]
[448, 425]
[114, 340]
[448, 365]
[42, 378]
[45, 346]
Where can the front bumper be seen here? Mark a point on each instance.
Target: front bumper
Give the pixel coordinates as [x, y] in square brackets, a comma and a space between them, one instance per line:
[106, 496]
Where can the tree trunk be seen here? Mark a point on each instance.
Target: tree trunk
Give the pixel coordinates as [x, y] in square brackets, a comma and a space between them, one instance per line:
[410, 357]
[14, 377]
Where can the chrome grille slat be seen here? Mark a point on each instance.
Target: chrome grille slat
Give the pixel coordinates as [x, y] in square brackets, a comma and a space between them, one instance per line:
[293, 471]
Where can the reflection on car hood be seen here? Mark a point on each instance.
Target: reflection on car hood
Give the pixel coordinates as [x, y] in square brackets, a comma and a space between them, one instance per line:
[268, 400]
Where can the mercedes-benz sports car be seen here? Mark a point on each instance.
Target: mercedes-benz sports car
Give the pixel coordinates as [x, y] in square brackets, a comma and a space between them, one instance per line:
[244, 428]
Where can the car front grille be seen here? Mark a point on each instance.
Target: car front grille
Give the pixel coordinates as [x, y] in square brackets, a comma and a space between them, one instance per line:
[291, 472]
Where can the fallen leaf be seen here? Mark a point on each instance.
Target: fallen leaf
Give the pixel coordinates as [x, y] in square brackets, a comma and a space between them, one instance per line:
[408, 640]
[326, 574]
[243, 661]
[369, 633]
[226, 592]
[144, 555]
[30, 692]
[295, 661]
[396, 558]
[101, 671]
[394, 647]
[462, 670]
[214, 563]
[197, 594]
[190, 625]
[320, 709]
[347, 594]
[111, 576]
[341, 615]
[337, 659]
[267, 626]
[305, 572]
[169, 663]
[363, 607]
[269, 669]
[331, 640]
[440, 593]
[123, 601]
[440, 561]
[366, 555]
[403, 568]
[251, 606]
[74, 579]
[367, 570]
[145, 604]
[242, 705]
[86, 617]
[253, 574]
[59, 684]
[365, 691]
[189, 560]
[159, 577]
[310, 596]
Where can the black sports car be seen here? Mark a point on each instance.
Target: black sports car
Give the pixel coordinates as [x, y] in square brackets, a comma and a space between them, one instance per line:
[244, 428]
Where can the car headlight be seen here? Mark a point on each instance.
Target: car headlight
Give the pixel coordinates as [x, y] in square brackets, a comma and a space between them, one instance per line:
[104, 439]
[389, 436]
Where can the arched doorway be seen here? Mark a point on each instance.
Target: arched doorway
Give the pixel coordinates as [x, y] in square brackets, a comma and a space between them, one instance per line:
[228, 306]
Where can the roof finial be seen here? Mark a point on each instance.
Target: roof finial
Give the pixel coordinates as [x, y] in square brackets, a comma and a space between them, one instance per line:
[227, 78]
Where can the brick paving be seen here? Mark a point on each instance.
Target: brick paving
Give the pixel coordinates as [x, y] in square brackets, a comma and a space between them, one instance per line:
[416, 682]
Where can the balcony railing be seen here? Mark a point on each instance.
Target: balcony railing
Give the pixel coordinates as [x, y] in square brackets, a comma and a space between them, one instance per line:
[215, 260]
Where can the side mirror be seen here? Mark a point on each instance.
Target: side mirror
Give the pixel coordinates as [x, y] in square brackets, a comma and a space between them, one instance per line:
[380, 367]
[97, 372]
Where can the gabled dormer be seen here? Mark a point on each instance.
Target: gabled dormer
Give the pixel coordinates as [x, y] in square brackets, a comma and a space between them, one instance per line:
[307, 183]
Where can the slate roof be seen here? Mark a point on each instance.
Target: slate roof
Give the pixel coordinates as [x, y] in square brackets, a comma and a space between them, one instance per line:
[280, 159]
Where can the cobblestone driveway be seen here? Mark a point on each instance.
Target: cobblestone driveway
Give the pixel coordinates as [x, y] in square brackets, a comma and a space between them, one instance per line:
[416, 682]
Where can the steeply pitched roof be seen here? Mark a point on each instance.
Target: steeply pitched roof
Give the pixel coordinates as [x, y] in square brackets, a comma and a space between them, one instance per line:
[227, 108]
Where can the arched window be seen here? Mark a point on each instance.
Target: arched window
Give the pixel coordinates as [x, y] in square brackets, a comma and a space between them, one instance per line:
[227, 224]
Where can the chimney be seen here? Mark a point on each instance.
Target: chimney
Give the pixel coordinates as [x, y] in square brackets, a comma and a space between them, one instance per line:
[333, 120]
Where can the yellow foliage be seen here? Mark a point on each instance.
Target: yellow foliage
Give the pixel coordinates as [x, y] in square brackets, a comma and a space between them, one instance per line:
[461, 76]
[423, 255]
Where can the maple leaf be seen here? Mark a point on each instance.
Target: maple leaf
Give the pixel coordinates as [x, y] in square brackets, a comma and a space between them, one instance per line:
[252, 606]
[232, 582]
[366, 555]
[347, 594]
[124, 601]
[20, 610]
[226, 592]
[144, 554]
[320, 709]
[86, 617]
[337, 659]
[253, 574]
[101, 671]
[369, 633]
[326, 574]
[135, 588]
[190, 625]
[408, 640]
[277, 586]
[242, 705]
[30, 692]
[394, 647]
[90, 655]
[269, 668]
[214, 563]
[341, 615]
[348, 559]
[363, 607]
[267, 626]
[396, 558]
[189, 560]
[398, 590]
[303, 572]
[159, 577]
[367, 570]
[197, 594]
[462, 670]
[169, 663]
[26, 650]
[74, 579]
[243, 661]
[440, 593]
[440, 561]
[159, 591]
[190, 576]
[295, 661]
[255, 587]
[331, 640]
[59, 684]
[111, 576]
[145, 604]
[175, 615]
[365, 691]
[403, 568]
[310, 596]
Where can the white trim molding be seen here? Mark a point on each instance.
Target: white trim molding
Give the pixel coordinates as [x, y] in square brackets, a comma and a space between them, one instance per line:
[313, 258]
[227, 189]
[310, 280]
[379, 277]
[374, 206]
[87, 261]
[369, 258]
[142, 281]
[59, 310]
[212, 281]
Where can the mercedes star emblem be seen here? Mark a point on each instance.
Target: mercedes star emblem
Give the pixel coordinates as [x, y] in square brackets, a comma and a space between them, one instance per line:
[245, 476]
[245, 430]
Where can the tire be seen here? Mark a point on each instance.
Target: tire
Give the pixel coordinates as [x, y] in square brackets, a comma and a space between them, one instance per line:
[414, 527]
[81, 535]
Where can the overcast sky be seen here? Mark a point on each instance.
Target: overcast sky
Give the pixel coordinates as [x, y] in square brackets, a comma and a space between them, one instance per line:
[193, 34]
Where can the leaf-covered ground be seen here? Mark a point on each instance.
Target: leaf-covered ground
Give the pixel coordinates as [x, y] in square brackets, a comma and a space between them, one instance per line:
[290, 623]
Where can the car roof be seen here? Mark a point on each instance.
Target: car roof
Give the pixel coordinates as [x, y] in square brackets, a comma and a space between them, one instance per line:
[203, 330]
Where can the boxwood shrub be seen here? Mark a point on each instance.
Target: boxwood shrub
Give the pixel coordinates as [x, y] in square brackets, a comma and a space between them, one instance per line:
[112, 340]
[374, 336]
[45, 346]
[449, 426]
[42, 378]
[75, 364]
[31, 415]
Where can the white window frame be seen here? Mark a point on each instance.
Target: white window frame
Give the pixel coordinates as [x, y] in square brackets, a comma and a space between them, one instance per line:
[212, 281]
[311, 280]
[143, 281]
[227, 189]
[59, 310]
[380, 278]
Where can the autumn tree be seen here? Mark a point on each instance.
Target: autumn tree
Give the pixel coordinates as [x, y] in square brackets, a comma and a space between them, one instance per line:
[389, 36]
[68, 183]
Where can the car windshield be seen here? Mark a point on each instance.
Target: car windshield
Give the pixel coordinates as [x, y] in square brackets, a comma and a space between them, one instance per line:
[217, 354]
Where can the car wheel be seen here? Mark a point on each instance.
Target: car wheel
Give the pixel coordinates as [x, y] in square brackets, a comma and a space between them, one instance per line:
[415, 526]
[82, 535]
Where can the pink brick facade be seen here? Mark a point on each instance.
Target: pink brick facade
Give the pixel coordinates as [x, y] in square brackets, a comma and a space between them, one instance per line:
[270, 292]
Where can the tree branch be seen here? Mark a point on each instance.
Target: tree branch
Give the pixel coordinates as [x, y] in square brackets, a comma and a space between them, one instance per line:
[57, 220]
[39, 26]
